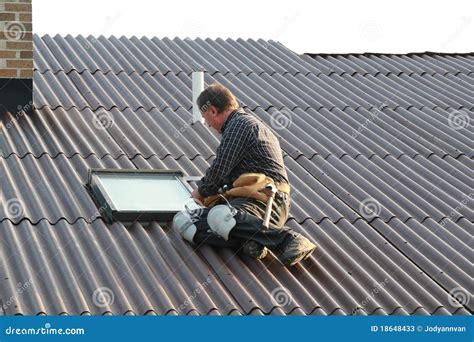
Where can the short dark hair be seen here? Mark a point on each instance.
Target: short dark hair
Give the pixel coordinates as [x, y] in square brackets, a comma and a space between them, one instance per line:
[218, 96]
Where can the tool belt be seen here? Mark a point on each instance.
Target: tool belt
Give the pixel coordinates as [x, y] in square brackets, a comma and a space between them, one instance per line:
[248, 185]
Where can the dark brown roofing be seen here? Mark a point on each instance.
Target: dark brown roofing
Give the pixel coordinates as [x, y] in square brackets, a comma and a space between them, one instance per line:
[355, 128]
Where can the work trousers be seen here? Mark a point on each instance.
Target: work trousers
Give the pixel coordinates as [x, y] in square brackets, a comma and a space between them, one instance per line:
[249, 225]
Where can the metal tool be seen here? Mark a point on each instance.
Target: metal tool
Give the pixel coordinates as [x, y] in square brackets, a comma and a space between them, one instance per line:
[272, 191]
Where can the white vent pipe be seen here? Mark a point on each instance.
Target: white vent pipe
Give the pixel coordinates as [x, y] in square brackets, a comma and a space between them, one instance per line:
[198, 87]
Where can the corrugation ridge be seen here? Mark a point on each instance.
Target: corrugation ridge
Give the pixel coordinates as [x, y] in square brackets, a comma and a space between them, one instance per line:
[192, 158]
[385, 156]
[68, 156]
[174, 157]
[225, 72]
[250, 108]
[394, 215]
[121, 107]
[398, 242]
[51, 189]
[289, 312]
[53, 223]
[343, 240]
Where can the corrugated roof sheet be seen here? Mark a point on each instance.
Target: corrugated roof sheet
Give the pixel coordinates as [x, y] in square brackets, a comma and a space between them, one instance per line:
[353, 128]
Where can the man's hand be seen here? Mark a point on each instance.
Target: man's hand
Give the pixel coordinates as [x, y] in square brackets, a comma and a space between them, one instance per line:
[196, 195]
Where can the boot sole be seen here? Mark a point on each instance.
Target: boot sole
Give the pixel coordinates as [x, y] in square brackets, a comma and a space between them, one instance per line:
[299, 257]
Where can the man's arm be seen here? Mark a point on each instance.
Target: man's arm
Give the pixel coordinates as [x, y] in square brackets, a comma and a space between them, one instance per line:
[229, 154]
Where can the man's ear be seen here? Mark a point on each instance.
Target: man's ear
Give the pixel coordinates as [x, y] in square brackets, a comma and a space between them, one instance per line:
[213, 110]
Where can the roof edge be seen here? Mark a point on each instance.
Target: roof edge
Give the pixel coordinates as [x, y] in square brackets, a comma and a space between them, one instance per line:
[429, 53]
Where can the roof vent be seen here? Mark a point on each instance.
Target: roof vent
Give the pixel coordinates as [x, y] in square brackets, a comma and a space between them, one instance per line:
[198, 87]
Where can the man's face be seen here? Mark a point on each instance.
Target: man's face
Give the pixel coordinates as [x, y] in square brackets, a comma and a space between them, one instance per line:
[211, 118]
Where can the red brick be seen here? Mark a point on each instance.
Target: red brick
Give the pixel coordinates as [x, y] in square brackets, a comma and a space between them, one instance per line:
[8, 73]
[26, 73]
[8, 16]
[26, 54]
[25, 17]
[20, 63]
[12, 7]
[8, 54]
[17, 45]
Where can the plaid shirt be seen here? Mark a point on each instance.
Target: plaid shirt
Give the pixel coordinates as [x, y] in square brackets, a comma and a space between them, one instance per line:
[247, 145]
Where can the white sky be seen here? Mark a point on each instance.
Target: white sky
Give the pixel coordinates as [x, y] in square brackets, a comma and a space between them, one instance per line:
[330, 26]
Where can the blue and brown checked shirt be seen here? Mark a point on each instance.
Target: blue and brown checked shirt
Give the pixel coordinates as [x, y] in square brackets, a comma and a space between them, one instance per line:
[247, 145]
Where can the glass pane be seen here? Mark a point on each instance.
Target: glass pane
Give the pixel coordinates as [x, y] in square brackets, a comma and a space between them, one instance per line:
[144, 191]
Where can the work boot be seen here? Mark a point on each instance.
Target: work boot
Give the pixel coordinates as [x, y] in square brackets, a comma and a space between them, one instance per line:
[296, 249]
[254, 250]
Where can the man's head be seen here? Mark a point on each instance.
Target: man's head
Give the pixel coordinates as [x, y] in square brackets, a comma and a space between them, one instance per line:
[216, 102]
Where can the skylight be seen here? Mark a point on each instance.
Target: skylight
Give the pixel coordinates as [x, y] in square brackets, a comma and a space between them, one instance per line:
[142, 195]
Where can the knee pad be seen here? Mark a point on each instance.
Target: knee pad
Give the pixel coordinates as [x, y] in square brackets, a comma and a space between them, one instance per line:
[221, 220]
[184, 225]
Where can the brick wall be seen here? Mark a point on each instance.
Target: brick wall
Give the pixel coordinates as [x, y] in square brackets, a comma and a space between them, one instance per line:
[16, 46]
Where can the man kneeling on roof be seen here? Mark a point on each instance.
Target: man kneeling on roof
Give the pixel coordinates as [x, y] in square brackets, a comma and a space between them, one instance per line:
[232, 191]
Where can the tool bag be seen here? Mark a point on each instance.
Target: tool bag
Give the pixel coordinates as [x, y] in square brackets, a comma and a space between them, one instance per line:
[248, 185]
